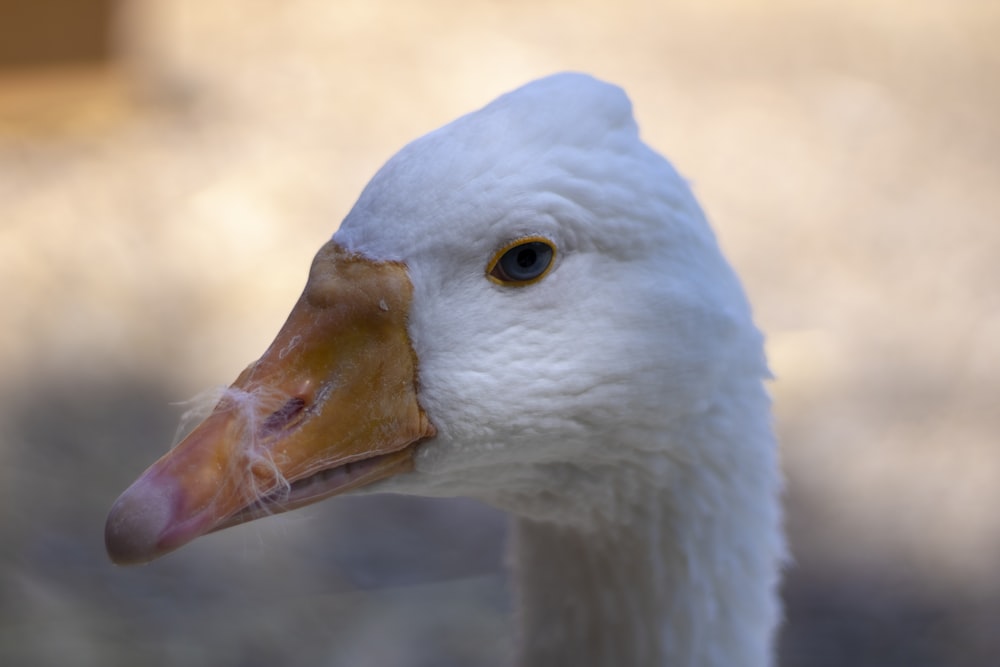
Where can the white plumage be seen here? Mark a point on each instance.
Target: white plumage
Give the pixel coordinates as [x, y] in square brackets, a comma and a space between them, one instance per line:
[615, 407]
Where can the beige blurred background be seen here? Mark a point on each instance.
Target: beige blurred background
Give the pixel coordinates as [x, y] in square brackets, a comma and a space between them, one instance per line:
[168, 168]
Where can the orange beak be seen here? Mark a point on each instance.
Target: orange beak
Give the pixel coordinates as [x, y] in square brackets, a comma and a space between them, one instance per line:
[330, 407]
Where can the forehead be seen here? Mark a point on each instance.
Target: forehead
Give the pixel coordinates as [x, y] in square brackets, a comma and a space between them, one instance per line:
[476, 167]
[560, 158]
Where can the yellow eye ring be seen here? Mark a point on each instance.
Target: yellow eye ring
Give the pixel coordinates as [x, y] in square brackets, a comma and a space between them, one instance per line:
[522, 262]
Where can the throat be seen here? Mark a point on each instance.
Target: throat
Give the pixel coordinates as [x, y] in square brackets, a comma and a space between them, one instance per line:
[679, 585]
[586, 599]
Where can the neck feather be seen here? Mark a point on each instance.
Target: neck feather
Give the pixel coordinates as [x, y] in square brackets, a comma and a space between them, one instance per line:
[687, 577]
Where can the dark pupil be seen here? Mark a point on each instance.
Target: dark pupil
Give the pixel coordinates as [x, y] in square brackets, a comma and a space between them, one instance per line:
[526, 261]
[526, 258]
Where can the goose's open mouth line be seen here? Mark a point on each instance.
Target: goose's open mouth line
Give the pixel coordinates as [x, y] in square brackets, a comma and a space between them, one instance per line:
[335, 477]
[323, 484]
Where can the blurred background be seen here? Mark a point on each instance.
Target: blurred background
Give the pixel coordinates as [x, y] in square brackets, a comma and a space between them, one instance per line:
[169, 167]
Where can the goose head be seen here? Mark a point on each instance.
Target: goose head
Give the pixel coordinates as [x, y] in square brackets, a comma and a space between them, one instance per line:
[521, 306]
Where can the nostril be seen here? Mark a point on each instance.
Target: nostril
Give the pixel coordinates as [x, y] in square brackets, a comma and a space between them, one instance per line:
[285, 415]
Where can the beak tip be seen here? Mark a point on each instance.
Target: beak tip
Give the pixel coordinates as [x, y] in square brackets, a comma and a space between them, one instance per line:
[135, 524]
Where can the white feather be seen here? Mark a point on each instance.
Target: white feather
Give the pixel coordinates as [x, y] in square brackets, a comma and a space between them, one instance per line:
[616, 408]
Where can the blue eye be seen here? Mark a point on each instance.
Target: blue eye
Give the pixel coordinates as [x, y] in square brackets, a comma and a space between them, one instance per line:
[523, 262]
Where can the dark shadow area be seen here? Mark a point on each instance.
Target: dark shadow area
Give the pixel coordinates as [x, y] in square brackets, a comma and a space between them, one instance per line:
[869, 621]
[399, 580]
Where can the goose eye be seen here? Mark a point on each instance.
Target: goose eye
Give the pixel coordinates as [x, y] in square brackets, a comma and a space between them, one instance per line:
[523, 262]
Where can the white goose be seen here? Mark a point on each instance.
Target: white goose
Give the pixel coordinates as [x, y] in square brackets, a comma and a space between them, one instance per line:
[528, 307]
